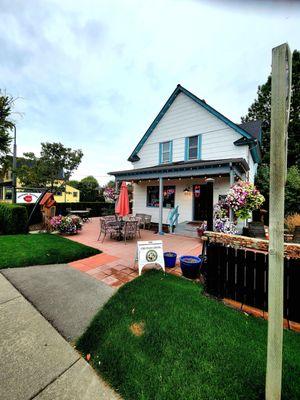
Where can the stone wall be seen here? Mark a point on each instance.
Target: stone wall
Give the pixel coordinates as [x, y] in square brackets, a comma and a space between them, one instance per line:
[291, 250]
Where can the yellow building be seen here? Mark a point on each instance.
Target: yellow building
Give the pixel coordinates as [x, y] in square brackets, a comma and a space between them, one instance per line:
[67, 194]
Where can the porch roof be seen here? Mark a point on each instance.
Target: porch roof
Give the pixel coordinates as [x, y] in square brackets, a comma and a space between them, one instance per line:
[185, 169]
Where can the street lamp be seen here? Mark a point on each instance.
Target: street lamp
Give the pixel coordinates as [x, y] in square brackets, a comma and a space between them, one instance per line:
[14, 167]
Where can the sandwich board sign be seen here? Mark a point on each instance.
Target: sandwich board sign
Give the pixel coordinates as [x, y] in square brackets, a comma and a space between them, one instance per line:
[150, 252]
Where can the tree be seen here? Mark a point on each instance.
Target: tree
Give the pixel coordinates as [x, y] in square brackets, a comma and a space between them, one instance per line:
[6, 124]
[55, 164]
[89, 189]
[74, 183]
[261, 110]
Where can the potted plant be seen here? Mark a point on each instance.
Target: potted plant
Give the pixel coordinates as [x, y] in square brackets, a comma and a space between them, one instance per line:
[190, 266]
[69, 225]
[170, 259]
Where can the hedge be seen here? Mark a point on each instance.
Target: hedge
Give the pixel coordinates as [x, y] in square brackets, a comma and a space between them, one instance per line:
[13, 219]
[97, 209]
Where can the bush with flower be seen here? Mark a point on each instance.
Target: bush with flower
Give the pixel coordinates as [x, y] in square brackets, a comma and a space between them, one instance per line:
[222, 221]
[243, 198]
[70, 224]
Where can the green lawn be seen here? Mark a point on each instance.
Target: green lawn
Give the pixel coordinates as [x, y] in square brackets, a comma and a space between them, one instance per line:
[39, 249]
[159, 337]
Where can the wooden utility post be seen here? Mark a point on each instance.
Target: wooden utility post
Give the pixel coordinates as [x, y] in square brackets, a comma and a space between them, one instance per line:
[280, 105]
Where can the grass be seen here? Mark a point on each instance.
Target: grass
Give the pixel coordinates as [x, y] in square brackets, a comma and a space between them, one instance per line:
[40, 249]
[159, 337]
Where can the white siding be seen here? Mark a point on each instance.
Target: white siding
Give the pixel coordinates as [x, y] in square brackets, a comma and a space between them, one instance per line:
[186, 118]
[184, 201]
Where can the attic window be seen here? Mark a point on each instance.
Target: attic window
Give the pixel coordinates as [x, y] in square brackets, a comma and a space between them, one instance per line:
[193, 147]
[165, 152]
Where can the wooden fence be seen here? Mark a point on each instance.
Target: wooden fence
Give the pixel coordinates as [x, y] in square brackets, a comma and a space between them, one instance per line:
[242, 275]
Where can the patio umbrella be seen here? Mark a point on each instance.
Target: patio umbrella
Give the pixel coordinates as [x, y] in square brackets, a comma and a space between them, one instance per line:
[122, 206]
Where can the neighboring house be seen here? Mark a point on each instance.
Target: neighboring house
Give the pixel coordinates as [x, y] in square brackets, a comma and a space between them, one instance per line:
[67, 194]
[188, 158]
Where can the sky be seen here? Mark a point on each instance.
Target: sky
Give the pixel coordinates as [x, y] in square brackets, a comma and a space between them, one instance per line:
[94, 74]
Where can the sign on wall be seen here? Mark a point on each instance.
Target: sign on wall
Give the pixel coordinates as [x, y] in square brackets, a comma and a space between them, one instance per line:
[150, 252]
[27, 198]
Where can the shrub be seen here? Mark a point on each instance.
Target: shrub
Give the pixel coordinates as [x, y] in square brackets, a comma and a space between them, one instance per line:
[97, 208]
[292, 221]
[13, 219]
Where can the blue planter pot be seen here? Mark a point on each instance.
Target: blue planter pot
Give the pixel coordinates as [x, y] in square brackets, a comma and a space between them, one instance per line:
[170, 259]
[190, 266]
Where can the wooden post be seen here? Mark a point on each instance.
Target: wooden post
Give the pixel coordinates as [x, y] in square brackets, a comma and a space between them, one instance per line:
[280, 104]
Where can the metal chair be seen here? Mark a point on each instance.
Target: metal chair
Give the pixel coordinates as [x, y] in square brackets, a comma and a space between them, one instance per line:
[109, 226]
[129, 230]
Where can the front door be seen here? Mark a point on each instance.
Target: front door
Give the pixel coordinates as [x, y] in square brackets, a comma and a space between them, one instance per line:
[203, 202]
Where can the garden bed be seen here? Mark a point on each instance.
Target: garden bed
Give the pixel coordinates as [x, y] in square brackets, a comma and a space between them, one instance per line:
[161, 338]
[40, 249]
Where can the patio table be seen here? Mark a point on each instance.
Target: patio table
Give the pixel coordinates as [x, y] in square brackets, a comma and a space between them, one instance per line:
[80, 213]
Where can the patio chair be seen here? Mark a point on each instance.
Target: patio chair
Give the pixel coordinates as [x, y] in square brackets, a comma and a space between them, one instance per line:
[129, 230]
[145, 220]
[139, 223]
[109, 226]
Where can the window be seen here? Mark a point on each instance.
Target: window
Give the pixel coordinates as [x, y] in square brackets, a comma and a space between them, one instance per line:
[59, 193]
[8, 194]
[75, 194]
[165, 152]
[193, 147]
[168, 196]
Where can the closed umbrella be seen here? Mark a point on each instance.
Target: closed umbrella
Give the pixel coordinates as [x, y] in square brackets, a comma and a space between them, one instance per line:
[122, 206]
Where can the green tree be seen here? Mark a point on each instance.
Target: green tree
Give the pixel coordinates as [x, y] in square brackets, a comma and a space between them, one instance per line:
[56, 163]
[6, 124]
[89, 189]
[261, 110]
[74, 183]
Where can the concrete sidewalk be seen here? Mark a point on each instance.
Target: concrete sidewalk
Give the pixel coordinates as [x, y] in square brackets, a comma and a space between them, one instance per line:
[36, 362]
[67, 298]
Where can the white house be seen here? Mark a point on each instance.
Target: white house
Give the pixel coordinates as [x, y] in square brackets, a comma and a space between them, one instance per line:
[188, 158]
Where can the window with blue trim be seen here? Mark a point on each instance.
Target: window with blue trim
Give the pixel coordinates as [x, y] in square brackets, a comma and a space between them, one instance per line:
[165, 152]
[193, 147]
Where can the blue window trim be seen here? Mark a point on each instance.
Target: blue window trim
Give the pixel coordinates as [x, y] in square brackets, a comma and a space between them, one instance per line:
[170, 151]
[199, 147]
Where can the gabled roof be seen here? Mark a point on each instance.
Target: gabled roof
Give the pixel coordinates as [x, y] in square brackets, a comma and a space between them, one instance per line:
[180, 89]
[252, 127]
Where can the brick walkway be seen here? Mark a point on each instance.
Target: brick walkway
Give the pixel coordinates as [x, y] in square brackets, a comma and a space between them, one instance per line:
[115, 266]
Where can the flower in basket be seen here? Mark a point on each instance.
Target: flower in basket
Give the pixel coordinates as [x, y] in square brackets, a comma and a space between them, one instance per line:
[70, 224]
[222, 222]
[109, 194]
[243, 198]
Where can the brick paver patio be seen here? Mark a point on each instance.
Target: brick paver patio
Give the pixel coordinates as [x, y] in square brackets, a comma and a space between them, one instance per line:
[115, 265]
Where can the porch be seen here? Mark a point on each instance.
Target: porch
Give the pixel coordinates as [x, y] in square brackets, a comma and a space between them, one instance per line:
[182, 192]
[115, 265]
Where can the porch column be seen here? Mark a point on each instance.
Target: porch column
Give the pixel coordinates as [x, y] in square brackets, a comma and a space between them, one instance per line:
[161, 199]
[210, 209]
[231, 178]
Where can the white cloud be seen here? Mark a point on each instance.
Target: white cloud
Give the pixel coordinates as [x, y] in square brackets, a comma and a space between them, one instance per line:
[94, 75]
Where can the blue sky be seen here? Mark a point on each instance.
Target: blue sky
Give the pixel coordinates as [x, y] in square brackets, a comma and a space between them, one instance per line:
[93, 74]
